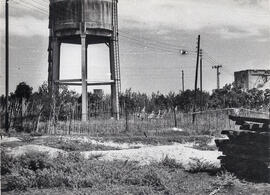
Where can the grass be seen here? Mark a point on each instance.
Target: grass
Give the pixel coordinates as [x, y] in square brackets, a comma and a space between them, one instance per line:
[198, 165]
[75, 145]
[57, 142]
[164, 138]
[38, 174]
[204, 124]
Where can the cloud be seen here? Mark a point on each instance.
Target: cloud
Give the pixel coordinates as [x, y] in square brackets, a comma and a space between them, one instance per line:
[228, 18]
[26, 26]
[247, 17]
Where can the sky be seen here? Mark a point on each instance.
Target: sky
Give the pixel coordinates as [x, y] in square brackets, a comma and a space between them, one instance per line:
[234, 33]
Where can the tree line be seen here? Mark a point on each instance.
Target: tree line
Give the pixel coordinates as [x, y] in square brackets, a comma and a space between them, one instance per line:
[230, 96]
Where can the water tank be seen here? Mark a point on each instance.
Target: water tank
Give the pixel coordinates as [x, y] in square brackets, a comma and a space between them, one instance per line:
[66, 17]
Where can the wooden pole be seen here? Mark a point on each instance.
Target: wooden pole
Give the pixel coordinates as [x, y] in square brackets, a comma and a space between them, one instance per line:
[183, 81]
[201, 79]
[218, 74]
[196, 77]
[7, 66]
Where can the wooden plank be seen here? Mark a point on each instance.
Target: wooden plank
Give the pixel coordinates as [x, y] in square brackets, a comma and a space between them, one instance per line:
[247, 136]
[250, 170]
[245, 126]
[255, 127]
[242, 132]
[220, 142]
[255, 120]
[258, 152]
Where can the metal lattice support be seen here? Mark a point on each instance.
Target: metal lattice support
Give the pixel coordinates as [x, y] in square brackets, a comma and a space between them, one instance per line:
[116, 45]
[115, 63]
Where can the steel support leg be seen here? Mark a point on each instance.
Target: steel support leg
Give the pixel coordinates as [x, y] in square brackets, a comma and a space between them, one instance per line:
[114, 89]
[84, 78]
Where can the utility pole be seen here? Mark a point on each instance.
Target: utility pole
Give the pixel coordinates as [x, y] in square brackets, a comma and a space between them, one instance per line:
[7, 65]
[196, 76]
[201, 80]
[183, 81]
[218, 74]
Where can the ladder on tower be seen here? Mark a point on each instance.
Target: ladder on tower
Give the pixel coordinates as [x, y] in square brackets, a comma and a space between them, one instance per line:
[116, 46]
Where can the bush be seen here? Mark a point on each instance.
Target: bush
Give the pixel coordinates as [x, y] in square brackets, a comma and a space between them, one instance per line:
[200, 165]
[36, 134]
[171, 163]
[7, 163]
[34, 161]
[226, 179]
[27, 138]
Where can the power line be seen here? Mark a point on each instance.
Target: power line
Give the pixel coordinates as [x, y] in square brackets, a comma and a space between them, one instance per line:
[159, 42]
[30, 6]
[149, 44]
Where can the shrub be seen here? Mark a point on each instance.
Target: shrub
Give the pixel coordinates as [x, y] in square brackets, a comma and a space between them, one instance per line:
[7, 163]
[27, 138]
[36, 134]
[226, 179]
[152, 179]
[171, 163]
[200, 165]
[18, 182]
[34, 161]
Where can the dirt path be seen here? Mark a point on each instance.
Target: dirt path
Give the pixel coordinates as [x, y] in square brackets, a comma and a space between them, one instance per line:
[182, 153]
[145, 154]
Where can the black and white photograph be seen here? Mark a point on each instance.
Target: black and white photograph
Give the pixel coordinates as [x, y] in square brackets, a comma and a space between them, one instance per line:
[136, 97]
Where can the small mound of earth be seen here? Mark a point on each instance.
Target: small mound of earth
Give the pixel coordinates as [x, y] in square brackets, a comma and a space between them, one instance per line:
[104, 143]
[20, 150]
[9, 139]
[182, 153]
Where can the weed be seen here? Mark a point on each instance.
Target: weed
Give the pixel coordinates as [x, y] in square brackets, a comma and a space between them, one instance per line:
[200, 165]
[226, 179]
[36, 134]
[171, 163]
[75, 145]
[26, 138]
[6, 163]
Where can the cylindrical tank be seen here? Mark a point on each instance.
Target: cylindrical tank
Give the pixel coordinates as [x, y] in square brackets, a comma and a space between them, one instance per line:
[68, 16]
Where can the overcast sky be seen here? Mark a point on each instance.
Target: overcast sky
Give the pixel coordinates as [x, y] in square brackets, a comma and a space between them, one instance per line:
[234, 33]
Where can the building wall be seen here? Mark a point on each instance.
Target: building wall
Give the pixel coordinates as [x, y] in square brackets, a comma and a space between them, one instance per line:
[249, 79]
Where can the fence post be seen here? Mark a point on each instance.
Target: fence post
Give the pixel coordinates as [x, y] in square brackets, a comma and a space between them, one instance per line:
[174, 114]
[126, 113]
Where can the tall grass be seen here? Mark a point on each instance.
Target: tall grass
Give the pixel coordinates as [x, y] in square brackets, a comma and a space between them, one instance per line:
[204, 123]
[210, 122]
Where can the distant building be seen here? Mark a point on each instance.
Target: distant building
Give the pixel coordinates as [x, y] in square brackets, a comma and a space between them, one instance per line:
[99, 92]
[249, 79]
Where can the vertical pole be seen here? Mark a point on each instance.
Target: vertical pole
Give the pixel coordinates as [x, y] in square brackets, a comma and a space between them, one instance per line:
[84, 66]
[84, 78]
[55, 77]
[218, 81]
[56, 45]
[218, 74]
[7, 66]
[114, 90]
[201, 79]
[174, 116]
[196, 77]
[183, 81]
[114, 66]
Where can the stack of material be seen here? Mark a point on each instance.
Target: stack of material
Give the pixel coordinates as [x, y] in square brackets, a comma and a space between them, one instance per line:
[247, 151]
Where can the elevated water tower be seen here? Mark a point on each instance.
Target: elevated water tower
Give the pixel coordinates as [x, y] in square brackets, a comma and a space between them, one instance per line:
[84, 22]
